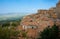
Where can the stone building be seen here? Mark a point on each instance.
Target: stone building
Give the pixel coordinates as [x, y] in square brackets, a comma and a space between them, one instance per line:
[58, 9]
[36, 23]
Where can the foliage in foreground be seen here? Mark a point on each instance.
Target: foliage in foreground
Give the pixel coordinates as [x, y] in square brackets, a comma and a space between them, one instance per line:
[49, 33]
[8, 33]
[11, 23]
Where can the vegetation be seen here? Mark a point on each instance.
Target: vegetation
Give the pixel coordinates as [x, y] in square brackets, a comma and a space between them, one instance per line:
[8, 33]
[8, 30]
[49, 33]
[23, 34]
[5, 24]
[11, 23]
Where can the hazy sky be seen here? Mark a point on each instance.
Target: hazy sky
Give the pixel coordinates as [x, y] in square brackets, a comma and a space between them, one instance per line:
[30, 6]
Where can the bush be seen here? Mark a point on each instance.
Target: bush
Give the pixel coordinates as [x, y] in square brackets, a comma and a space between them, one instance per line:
[5, 24]
[6, 33]
[49, 33]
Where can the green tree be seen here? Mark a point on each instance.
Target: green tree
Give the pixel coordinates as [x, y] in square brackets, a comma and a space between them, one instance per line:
[49, 33]
[5, 24]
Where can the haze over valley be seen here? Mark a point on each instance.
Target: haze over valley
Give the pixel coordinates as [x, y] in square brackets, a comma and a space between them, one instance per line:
[12, 16]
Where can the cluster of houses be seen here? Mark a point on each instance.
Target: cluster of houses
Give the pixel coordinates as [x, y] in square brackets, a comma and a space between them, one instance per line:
[36, 23]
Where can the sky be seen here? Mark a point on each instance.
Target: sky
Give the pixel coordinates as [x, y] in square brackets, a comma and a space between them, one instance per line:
[25, 6]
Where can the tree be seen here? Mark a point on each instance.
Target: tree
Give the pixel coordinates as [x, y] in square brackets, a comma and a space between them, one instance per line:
[49, 33]
[6, 33]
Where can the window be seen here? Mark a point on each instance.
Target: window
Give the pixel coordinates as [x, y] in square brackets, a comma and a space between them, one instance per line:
[32, 27]
[24, 27]
[48, 26]
[31, 21]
